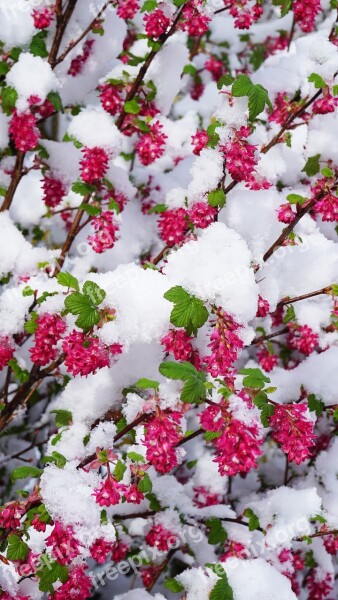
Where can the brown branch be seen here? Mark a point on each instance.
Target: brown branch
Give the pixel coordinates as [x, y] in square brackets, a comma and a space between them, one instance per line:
[70, 238]
[190, 437]
[262, 338]
[62, 21]
[17, 176]
[292, 31]
[325, 290]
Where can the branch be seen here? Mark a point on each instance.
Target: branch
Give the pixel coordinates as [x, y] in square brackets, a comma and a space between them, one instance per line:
[61, 25]
[325, 290]
[262, 338]
[17, 176]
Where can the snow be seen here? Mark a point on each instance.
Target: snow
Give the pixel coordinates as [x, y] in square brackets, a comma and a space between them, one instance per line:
[94, 127]
[40, 82]
[252, 579]
[216, 268]
[16, 23]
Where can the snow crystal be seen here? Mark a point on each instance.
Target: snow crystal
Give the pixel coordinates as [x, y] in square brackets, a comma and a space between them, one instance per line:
[94, 127]
[31, 76]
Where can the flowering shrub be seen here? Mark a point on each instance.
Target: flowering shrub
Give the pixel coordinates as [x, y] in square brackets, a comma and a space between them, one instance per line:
[169, 304]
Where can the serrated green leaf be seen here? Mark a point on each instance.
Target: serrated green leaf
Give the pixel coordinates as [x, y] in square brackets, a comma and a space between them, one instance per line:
[25, 472]
[149, 5]
[193, 390]
[242, 86]
[226, 80]
[20, 374]
[260, 400]
[290, 314]
[189, 312]
[31, 325]
[267, 412]
[222, 590]
[176, 370]
[17, 549]
[79, 304]
[209, 436]
[93, 292]
[62, 417]
[254, 378]
[9, 97]
[4, 68]
[49, 574]
[189, 70]
[56, 458]
[213, 137]
[326, 172]
[135, 457]
[217, 533]
[55, 99]
[146, 384]
[38, 45]
[67, 280]
[258, 98]
[253, 519]
[317, 80]
[315, 404]
[84, 189]
[92, 211]
[335, 87]
[312, 165]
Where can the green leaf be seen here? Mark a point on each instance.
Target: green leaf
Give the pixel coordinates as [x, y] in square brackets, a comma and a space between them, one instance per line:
[176, 370]
[62, 417]
[254, 378]
[260, 400]
[267, 412]
[4, 68]
[31, 325]
[217, 533]
[217, 198]
[222, 590]
[146, 384]
[257, 57]
[93, 292]
[189, 70]
[21, 375]
[213, 135]
[49, 574]
[173, 585]
[335, 87]
[79, 304]
[317, 80]
[253, 519]
[326, 172]
[149, 5]
[135, 457]
[38, 45]
[193, 390]
[132, 107]
[242, 86]
[55, 99]
[145, 486]
[17, 549]
[25, 472]
[258, 98]
[83, 188]
[312, 165]
[334, 289]
[209, 436]
[189, 312]
[119, 470]
[27, 291]
[68, 280]
[290, 314]
[9, 97]
[92, 211]
[226, 79]
[56, 458]
[296, 199]
[315, 404]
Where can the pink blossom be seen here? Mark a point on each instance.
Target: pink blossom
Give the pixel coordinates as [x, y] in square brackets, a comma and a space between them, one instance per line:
[100, 549]
[84, 354]
[6, 351]
[53, 191]
[162, 433]
[293, 430]
[285, 213]
[202, 214]
[267, 360]
[50, 329]
[77, 587]
[105, 232]
[263, 307]
[24, 131]
[65, 546]
[77, 64]
[305, 12]
[160, 538]
[110, 98]
[224, 343]
[108, 493]
[173, 226]
[151, 145]
[156, 23]
[127, 9]
[43, 17]
[199, 141]
[302, 338]
[94, 164]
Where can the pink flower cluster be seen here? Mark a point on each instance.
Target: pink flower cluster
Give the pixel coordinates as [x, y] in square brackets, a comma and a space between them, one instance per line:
[305, 12]
[266, 359]
[156, 23]
[49, 331]
[24, 131]
[94, 164]
[84, 354]
[105, 232]
[64, 545]
[77, 64]
[43, 17]
[224, 344]
[194, 20]
[162, 434]
[77, 587]
[110, 98]
[127, 9]
[159, 537]
[199, 141]
[293, 430]
[53, 191]
[175, 223]
[151, 145]
[6, 351]
[302, 338]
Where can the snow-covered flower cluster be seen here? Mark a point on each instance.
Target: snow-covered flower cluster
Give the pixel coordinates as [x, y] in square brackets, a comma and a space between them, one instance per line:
[169, 299]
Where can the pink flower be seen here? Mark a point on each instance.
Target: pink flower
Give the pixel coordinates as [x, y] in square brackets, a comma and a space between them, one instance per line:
[238, 448]
[43, 17]
[108, 494]
[327, 207]
[324, 105]
[267, 360]
[173, 226]
[156, 23]
[77, 587]
[305, 12]
[53, 191]
[132, 494]
[10, 516]
[105, 232]
[99, 550]
[215, 67]
[119, 551]
[199, 141]
[84, 354]
[234, 549]
[24, 131]
[263, 307]
[65, 546]
[285, 213]
[49, 331]
[194, 21]
[94, 164]
[111, 99]
[281, 109]
[224, 344]
[162, 434]
[293, 430]
[302, 338]
[6, 351]
[320, 586]
[206, 497]
[77, 64]
[178, 343]
[151, 145]
[240, 159]
[160, 538]
[127, 9]
[202, 215]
